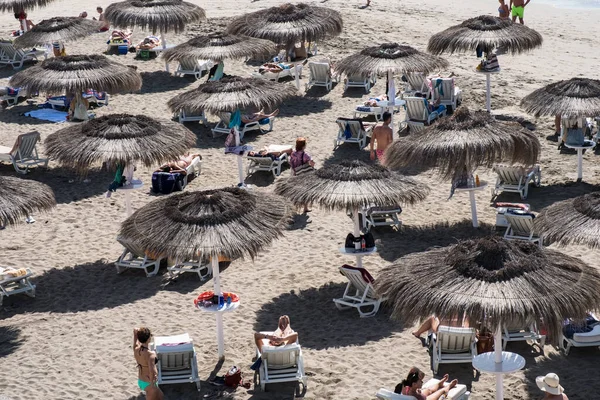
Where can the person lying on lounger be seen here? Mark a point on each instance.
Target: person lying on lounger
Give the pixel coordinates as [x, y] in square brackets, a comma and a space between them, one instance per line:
[433, 323]
[258, 116]
[148, 43]
[413, 386]
[180, 165]
[273, 67]
[374, 101]
[266, 152]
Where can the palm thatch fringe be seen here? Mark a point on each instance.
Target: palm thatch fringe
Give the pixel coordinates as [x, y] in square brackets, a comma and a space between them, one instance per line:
[351, 184]
[576, 97]
[20, 5]
[487, 33]
[466, 140]
[119, 139]
[219, 46]
[231, 222]
[572, 221]
[20, 198]
[493, 281]
[232, 93]
[155, 15]
[78, 73]
[289, 23]
[389, 57]
[59, 29]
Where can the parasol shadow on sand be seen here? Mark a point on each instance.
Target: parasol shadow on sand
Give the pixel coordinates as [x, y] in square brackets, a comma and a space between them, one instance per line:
[572, 221]
[162, 81]
[547, 195]
[10, 340]
[492, 280]
[576, 97]
[57, 29]
[328, 327]
[289, 23]
[20, 198]
[78, 73]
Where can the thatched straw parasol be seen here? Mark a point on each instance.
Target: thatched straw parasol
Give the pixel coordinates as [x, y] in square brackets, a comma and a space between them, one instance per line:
[119, 139]
[389, 57]
[20, 5]
[576, 97]
[465, 140]
[219, 46]
[230, 95]
[77, 73]
[485, 33]
[493, 281]
[289, 23]
[19, 198]
[572, 221]
[457, 145]
[57, 29]
[231, 222]
[350, 185]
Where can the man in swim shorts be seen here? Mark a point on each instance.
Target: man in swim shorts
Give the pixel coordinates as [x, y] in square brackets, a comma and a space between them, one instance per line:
[382, 137]
[518, 9]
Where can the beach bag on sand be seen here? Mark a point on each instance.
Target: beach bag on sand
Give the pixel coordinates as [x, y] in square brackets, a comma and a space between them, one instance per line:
[233, 377]
[166, 182]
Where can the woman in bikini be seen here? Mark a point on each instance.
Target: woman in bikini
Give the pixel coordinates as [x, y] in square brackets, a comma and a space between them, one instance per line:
[179, 165]
[413, 386]
[503, 10]
[146, 361]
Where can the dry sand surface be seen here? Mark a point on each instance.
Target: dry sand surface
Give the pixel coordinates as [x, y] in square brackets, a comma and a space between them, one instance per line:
[73, 340]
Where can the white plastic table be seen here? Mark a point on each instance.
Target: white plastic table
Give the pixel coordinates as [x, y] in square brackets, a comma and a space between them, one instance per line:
[588, 144]
[215, 307]
[471, 191]
[134, 185]
[511, 362]
[353, 252]
[488, 90]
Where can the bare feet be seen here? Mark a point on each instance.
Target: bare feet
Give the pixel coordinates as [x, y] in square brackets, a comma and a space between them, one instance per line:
[416, 334]
[452, 384]
[274, 113]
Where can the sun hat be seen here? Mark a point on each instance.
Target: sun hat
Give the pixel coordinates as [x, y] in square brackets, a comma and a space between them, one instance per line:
[549, 383]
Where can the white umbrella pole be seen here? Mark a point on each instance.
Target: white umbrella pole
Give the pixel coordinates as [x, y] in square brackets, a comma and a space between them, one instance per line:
[297, 76]
[240, 162]
[579, 164]
[488, 92]
[391, 97]
[128, 173]
[357, 244]
[214, 259]
[498, 360]
[473, 208]
[163, 39]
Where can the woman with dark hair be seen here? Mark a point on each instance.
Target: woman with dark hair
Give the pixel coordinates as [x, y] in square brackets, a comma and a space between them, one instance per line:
[146, 361]
[412, 386]
[300, 161]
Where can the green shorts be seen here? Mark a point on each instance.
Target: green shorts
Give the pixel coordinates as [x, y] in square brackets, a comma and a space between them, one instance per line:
[518, 11]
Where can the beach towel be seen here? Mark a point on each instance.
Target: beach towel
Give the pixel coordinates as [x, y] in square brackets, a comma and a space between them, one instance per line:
[48, 114]
[235, 119]
[367, 277]
[219, 72]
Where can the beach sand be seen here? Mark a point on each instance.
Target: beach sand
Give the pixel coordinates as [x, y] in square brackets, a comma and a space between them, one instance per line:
[73, 341]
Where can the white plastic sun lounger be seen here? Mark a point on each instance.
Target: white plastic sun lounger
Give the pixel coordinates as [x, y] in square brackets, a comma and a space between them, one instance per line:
[359, 293]
[282, 364]
[24, 154]
[453, 345]
[16, 57]
[381, 216]
[448, 94]
[267, 164]
[588, 339]
[520, 227]
[516, 179]
[193, 67]
[531, 333]
[364, 82]
[20, 284]
[459, 392]
[201, 267]
[418, 113]
[358, 134]
[133, 257]
[377, 112]
[320, 75]
[416, 84]
[177, 362]
[222, 127]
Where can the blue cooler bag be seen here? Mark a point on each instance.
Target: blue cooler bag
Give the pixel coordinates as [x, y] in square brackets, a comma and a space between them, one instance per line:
[166, 182]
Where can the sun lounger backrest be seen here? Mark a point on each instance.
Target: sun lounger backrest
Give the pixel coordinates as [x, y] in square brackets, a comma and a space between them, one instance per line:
[131, 247]
[444, 90]
[281, 357]
[188, 64]
[9, 50]
[455, 340]
[415, 108]
[319, 71]
[416, 80]
[225, 117]
[522, 225]
[510, 174]
[354, 126]
[26, 149]
[355, 276]
[175, 361]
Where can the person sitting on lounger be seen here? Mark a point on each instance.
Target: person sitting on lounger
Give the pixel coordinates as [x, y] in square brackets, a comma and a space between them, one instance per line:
[374, 101]
[258, 116]
[180, 165]
[282, 336]
[273, 67]
[412, 386]
[433, 323]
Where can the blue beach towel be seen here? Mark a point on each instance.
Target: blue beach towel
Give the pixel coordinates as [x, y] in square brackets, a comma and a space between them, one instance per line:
[48, 114]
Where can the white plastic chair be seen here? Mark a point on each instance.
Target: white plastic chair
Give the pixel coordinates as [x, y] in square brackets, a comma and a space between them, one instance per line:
[282, 364]
[520, 227]
[177, 361]
[357, 129]
[453, 345]
[531, 333]
[193, 66]
[516, 179]
[16, 57]
[359, 293]
[25, 153]
[20, 284]
[381, 216]
[320, 75]
[133, 257]
[448, 94]
[360, 82]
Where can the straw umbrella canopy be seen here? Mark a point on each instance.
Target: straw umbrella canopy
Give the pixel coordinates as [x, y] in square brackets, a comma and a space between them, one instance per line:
[486, 32]
[231, 222]
[58, 29]
[289, 23]
[494, 281]
[219, 46]
[576, 97]
[464, 141]
[77, 73]
[572, 221]
[232, 94]
[389, 57]
[119, 139]
[19, 5]
[19, 198]
[156, 15]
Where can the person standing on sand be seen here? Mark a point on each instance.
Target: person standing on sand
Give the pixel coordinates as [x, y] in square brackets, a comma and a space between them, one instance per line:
[383, 135]
[518, 9]
[550, 384]
[503, 10]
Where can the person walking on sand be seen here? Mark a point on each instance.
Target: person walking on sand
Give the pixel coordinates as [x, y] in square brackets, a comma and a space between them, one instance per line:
[550, 385]
[383, 136]
[518, 9]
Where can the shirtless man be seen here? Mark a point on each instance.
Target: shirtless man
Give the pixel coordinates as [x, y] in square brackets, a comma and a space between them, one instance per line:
[383, 135]
[518, 8]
